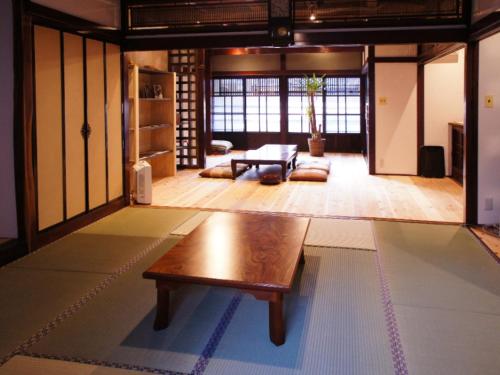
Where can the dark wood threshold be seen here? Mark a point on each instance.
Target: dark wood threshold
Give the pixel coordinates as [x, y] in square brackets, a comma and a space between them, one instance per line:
[293, 214]
[485, 245]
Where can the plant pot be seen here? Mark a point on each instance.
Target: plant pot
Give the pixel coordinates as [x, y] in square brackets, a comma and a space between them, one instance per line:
[316, 146]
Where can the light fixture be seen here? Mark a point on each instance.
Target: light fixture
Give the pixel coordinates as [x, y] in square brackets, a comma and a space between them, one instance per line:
[312, 6]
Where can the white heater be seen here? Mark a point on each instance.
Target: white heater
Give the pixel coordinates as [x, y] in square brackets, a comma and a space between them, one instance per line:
[144, 181]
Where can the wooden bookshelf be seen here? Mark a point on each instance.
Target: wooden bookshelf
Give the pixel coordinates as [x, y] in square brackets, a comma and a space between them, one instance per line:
[152, 119]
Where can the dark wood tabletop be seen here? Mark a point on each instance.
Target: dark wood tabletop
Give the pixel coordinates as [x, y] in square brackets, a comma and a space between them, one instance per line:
[284, 155]
[269, 152]
[236, 250]
[258, 254]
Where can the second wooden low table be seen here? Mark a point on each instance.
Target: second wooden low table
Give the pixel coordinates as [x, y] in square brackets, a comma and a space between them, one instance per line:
[258, 254]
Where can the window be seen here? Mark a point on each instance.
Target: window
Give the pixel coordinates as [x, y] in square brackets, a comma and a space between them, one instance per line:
[342, 105]
[227, 105]
[298, 121]
[263, 105]
[253, 105]
[337, 105]
[246, 104]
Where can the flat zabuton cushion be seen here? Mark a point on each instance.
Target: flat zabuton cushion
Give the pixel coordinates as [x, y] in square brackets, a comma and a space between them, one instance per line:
[308, 174]
[270, 175]
[221, 146]
[321, 164]
[223, 171]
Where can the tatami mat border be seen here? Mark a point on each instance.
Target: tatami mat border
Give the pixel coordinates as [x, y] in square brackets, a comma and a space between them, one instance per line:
[398, 357]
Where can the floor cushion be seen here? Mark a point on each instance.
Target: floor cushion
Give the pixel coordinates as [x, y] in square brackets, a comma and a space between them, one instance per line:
[221, 146]
[270, 175]
[322, 164]
[223, 171]
[308, 174]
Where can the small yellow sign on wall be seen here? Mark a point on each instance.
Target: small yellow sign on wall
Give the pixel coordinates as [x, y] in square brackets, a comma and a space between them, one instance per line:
[382, 100]
[488, 101]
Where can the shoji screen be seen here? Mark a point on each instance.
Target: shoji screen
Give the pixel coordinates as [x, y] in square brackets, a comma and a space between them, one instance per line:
[96, 121]
[48, 114]
[78, 125]
[74, 119]
[114, 106]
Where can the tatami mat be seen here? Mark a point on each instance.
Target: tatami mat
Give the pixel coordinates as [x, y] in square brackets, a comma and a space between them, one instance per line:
[449, 342]
[335, 323]
[22, 365]
[107, 244]
[446, 293]
[440, 266]
[187, 227]
[29, 298]
[117, 325]
[351, 234]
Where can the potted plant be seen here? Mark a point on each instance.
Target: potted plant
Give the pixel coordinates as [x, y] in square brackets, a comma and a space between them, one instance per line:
[316, 142]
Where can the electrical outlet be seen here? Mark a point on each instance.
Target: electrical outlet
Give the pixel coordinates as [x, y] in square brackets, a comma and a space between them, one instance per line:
[488, 204]
[488, 101]
[382, 163]
[382, 100]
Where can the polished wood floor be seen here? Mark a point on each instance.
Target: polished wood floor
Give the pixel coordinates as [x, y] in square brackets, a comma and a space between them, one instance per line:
[349, 192]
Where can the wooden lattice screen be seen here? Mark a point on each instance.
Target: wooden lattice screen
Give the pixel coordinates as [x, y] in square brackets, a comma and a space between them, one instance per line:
[188, 65]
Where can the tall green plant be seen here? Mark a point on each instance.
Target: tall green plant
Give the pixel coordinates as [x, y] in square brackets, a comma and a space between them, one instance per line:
[313, 85]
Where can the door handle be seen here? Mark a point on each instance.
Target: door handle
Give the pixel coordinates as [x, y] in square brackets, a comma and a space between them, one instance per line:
[85, 131]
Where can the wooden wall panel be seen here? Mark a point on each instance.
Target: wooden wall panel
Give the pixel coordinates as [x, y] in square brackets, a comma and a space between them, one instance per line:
[49, 164]
[74, 119]
[114, 100]
[96, 120]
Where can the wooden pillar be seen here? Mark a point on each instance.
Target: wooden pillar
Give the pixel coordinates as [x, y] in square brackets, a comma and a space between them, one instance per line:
[471, 132]
[371, 111]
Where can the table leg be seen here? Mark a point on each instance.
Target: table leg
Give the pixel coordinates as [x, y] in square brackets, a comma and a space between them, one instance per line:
[162, 308]
[283, 171]
[302, 258]
[233, 168]
[294, 162]
[276, 322]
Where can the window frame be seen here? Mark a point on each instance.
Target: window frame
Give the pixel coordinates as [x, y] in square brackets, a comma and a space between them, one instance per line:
[245, 111]
[324, 109]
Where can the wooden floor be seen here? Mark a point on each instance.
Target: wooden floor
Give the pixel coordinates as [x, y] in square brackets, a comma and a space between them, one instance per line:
[349, 192]
[489, 240]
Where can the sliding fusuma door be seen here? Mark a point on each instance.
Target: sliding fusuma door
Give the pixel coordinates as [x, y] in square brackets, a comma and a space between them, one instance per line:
[78, 163]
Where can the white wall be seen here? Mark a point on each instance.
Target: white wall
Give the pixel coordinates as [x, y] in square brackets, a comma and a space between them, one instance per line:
[396, 120]
[103, 12]
[8, 219]
[444, 100]
[489, 130]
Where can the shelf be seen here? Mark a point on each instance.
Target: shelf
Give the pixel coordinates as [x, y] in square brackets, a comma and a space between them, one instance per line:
[153, 127]
[147, 70]
[152, 154]
[155, 99]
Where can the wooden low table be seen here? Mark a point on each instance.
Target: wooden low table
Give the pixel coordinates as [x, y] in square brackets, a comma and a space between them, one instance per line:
[258, 254]
[269, 154]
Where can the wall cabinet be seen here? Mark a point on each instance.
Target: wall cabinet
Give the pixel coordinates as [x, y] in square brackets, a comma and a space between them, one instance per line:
[78, 125]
